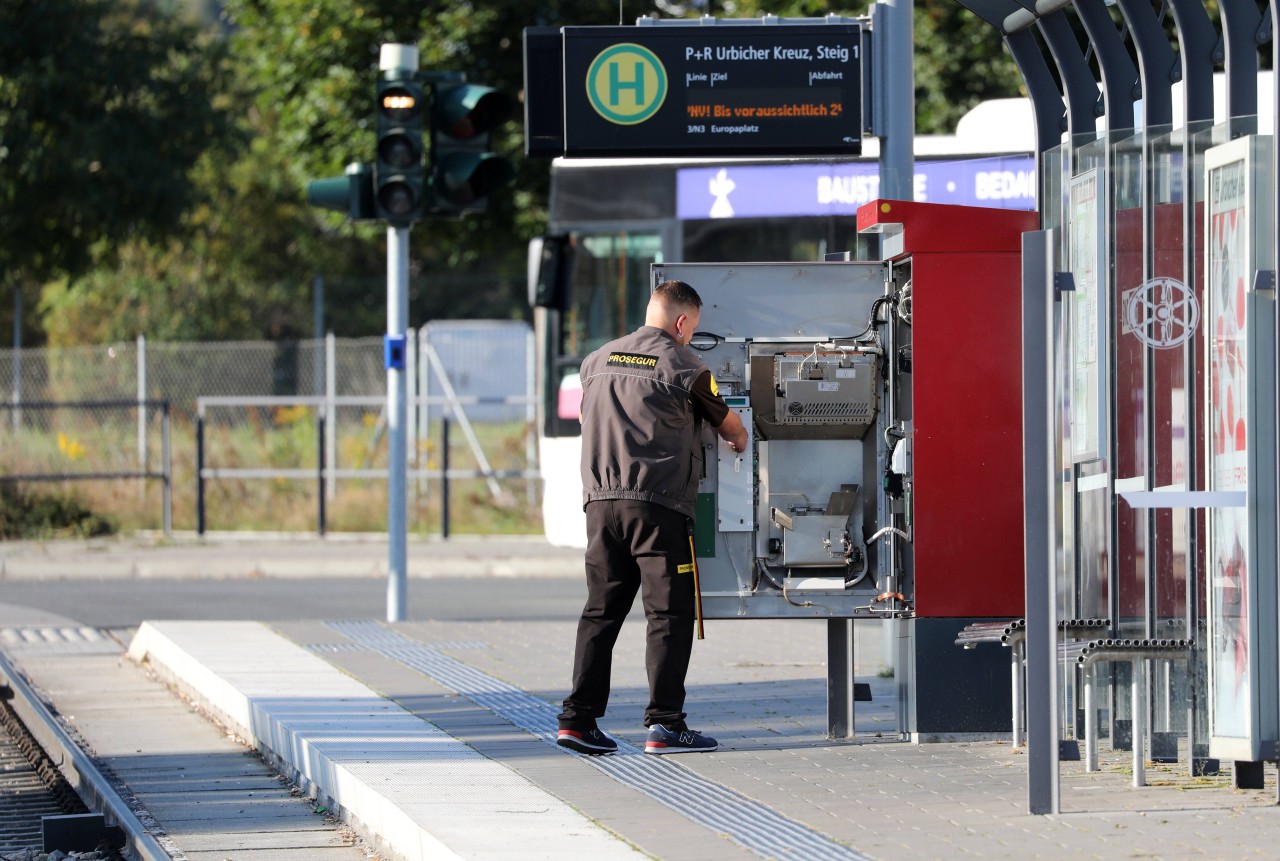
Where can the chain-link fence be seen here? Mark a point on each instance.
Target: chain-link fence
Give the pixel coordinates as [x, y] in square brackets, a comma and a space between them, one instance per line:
[73, 441]
[478, 374]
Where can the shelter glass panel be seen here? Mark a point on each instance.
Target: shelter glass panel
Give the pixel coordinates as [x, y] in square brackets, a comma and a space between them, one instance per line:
[1197, 138]
[1132, 391]
[1166, 317]
[1086, 250]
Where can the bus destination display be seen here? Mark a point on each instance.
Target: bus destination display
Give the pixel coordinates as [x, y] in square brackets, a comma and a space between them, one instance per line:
[760, 90]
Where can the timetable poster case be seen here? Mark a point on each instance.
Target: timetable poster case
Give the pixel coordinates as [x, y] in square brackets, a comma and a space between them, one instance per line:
[1088, 359]
[1244, 700]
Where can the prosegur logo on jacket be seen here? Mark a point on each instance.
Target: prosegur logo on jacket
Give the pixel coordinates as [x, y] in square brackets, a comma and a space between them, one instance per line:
[632, 360]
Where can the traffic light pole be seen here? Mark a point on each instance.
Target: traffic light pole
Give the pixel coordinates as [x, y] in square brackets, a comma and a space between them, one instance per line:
[393, 192]
[396, 190]
[397, 418]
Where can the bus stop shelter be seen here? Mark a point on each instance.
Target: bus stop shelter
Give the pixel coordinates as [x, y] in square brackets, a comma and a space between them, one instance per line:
[1150, 377]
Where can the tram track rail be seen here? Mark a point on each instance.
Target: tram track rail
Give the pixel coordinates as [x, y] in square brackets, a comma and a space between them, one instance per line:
[45, 772]
[31, 787]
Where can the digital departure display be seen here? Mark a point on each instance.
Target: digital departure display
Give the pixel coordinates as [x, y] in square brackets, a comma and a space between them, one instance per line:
[724, 90]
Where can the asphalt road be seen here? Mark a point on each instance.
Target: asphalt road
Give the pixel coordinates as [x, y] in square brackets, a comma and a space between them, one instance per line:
[126, 603]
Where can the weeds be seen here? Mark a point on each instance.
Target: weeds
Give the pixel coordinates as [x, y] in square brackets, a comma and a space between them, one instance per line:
[34, 515]
[268, 439]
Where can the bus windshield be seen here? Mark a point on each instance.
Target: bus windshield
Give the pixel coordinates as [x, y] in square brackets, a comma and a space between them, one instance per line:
[610, 287]
[606, 294]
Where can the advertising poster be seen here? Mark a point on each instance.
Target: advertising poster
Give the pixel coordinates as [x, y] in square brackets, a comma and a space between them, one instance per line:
[1086, 399]
[1228, 269]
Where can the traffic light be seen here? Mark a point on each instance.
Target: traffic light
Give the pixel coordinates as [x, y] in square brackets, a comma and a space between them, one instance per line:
[463, 170]
[352, 194]
[397, 171]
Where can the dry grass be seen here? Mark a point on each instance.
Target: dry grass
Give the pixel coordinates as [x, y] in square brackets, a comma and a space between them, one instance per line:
[279, 439]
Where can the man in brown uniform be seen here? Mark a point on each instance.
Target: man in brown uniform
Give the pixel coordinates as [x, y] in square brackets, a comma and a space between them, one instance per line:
[645, 397]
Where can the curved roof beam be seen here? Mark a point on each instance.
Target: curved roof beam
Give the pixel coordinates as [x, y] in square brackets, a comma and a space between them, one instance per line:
[1012, 20]
[1156, 61]
[1029, 12]
[1241, 22]
[1119, 77]
[1199, 52]
[1081, 90]
[1046, 101]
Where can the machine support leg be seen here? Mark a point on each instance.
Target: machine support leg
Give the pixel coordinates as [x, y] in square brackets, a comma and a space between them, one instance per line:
[840, 689]
[1090, 719]
[1139, 709]
[1016, 654]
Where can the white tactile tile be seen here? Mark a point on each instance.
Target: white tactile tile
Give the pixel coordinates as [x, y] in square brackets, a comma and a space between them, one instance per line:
[423, 792]
[57, 641]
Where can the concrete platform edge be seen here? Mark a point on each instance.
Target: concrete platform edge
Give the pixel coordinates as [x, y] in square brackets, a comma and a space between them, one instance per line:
[396, 832]
[227, 705]
[384, 770]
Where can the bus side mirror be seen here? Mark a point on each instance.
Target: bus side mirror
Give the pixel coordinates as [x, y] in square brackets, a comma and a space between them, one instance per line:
[550, 261]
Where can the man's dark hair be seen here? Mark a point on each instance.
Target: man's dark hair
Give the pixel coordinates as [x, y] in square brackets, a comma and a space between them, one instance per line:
[678, 294]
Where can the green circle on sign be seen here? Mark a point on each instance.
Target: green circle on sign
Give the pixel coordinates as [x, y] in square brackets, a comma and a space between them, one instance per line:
[626, 84]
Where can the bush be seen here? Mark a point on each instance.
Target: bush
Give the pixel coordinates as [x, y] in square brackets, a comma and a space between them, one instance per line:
[25, 514]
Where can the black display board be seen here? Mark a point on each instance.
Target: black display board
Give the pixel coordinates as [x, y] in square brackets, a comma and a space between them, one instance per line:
[722, 91]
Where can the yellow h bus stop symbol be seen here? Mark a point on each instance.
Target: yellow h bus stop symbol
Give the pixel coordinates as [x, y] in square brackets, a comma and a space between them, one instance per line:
[626, 84]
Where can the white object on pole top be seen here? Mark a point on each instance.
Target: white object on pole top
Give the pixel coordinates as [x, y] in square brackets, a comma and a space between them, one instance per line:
[394, 56]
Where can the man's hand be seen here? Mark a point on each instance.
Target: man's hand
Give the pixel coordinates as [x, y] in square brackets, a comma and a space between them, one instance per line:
[732, 431]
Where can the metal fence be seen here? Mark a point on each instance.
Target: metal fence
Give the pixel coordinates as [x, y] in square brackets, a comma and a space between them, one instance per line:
[479, 358]
[322, 472]
[81, 441]
[472, 372]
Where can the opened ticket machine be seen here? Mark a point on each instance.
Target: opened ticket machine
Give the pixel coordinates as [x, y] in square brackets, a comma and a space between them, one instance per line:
[883, 478]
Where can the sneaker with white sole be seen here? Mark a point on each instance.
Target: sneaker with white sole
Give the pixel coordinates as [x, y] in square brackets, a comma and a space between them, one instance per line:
[662, 740]
[590, 741]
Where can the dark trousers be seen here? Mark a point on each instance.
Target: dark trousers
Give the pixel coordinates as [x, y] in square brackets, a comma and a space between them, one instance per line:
[634, 546]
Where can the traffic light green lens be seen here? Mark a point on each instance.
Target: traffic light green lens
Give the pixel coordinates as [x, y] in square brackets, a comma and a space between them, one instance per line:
[396, 198]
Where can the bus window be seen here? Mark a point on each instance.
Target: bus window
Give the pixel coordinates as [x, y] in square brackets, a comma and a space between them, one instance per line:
[767, 239]
[608, 290]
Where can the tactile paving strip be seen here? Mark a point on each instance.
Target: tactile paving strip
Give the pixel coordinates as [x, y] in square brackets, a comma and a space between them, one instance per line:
[749, 823]
[419, 789]
[58, 641]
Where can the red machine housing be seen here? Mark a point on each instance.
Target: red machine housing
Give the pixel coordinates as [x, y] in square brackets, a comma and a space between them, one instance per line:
[965, 401]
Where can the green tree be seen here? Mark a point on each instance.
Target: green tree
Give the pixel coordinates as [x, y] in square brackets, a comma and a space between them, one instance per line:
[105, 107]
[241, 261]
[242, 264]
[314, 63]
[239, 266]
[959, 59]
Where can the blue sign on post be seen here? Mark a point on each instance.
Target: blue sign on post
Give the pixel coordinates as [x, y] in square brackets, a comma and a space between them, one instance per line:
[395, 352]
